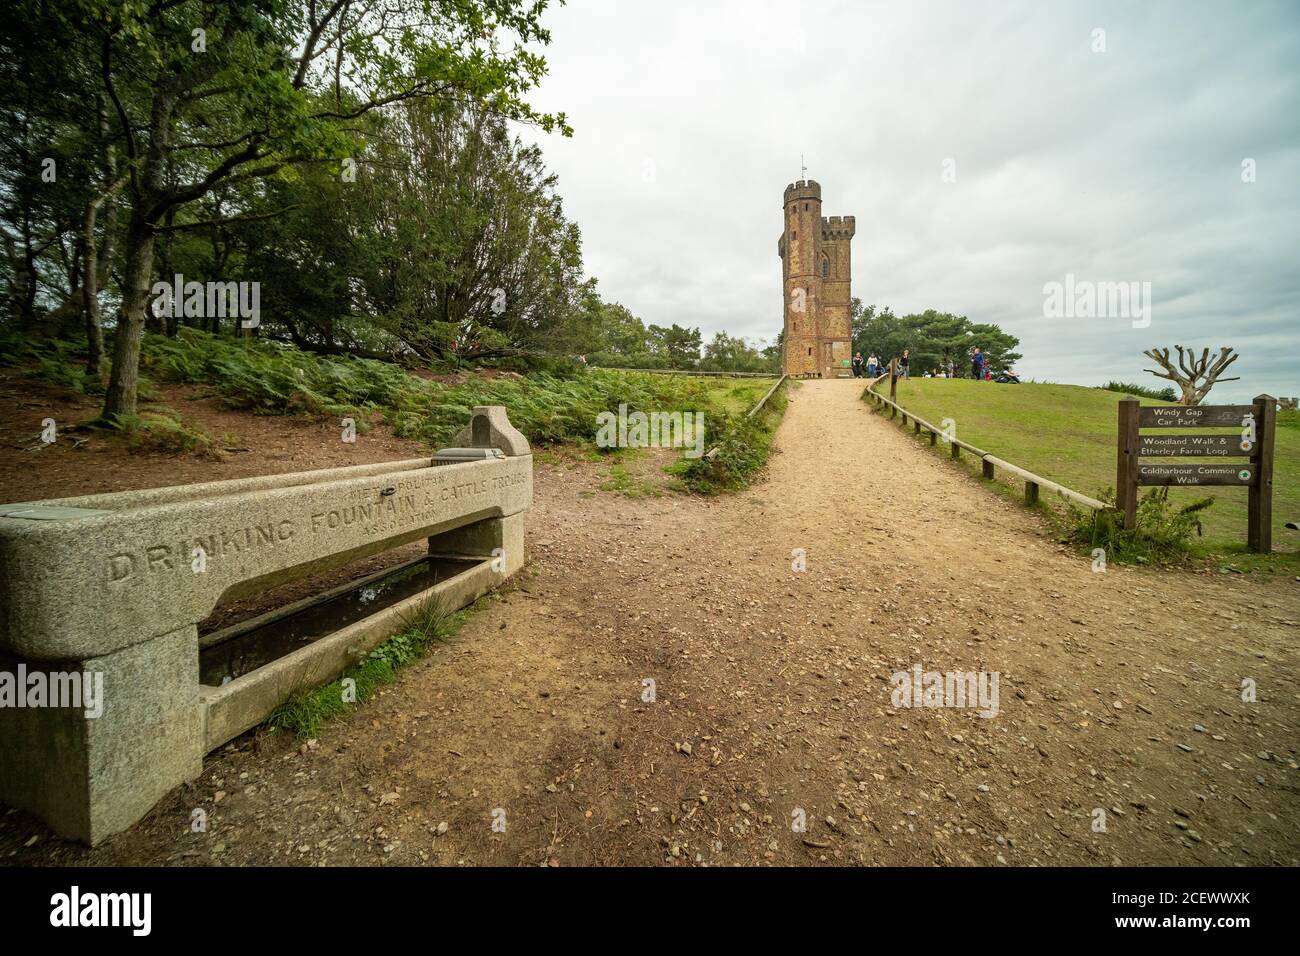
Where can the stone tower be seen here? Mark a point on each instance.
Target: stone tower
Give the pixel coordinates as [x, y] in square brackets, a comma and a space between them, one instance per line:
[816, 271]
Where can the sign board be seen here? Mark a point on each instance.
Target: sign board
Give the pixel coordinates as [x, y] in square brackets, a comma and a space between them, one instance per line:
[1242, 474]
[1193, 416]
[1252, 440]
[1194, 446]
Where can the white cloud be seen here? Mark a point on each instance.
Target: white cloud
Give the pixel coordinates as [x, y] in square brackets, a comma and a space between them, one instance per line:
[690, 119]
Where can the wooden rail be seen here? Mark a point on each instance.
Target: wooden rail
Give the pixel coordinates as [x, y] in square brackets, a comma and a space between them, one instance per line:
[1034, 482]
[763, 401]
[753, 411]
[989, 463]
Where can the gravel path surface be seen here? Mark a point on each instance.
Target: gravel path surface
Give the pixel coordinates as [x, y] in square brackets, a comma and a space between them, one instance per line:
[1119, 694]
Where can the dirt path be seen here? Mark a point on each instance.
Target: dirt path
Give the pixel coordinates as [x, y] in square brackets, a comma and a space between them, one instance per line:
[1118, 692]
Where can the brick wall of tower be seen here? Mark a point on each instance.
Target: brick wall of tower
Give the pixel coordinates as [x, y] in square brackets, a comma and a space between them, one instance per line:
[818, 337]
[800, 242]
[836, 331]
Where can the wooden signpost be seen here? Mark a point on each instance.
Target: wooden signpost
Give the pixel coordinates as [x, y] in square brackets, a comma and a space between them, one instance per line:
[1252, 440]
[1191, 446]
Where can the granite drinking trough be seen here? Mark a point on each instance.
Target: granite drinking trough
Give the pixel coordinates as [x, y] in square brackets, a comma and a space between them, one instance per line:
[116, 585]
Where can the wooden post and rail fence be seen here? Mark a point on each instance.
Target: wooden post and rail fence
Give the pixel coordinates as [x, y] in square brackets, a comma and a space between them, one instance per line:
[1254, 442]
[758, 407]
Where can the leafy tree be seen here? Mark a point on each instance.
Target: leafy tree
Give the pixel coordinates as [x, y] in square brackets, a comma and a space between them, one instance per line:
[450, 243]
[932, 338]
[57, 174]
[617, 330]
[731, 353]
[678, 346]
[205, 93]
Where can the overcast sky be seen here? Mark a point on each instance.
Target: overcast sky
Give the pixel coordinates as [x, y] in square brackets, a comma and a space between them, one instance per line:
[1124, 165]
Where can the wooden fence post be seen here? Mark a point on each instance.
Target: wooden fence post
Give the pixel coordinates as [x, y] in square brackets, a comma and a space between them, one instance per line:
[1126, 461]
[893, 380]
[1259, 527]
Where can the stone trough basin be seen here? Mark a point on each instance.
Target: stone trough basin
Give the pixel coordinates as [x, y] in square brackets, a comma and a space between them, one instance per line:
[115, 585]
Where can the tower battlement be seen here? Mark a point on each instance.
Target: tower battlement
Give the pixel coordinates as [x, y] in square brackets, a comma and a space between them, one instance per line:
[838, 227]
[803, 189]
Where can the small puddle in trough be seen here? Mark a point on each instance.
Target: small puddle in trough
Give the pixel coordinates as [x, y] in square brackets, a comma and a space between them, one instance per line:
[243, 651]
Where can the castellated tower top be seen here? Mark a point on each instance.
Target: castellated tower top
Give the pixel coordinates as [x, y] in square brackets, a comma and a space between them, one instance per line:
[803, 189]
[838, 227]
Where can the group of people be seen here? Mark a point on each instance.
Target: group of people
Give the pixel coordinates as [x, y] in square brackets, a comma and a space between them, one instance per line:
[872, 366]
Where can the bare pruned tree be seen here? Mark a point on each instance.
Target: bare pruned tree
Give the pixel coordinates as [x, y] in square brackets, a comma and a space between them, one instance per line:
[1195, 376]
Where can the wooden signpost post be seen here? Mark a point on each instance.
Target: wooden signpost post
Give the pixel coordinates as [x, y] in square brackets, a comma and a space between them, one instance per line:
[1252, 440]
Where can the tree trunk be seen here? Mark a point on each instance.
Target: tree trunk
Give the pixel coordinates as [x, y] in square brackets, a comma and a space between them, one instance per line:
[25, 290]
[1194, 376]
[90, 291]
[63, 318]
[121, 396]
[166, 324]
[97, 272]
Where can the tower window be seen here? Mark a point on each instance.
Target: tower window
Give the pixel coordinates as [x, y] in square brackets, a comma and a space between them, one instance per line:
[826, 266]
[810, 351]
[794, 235]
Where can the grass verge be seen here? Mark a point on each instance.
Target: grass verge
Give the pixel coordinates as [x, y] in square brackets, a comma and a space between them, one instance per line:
[1067, 433]
[305, 712]
[738, 453]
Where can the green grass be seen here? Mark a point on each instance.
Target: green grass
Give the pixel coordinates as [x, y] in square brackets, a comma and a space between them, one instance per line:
[738, 449]
[629, 485]
[1067, 433]
[162, 430]
[305, 712]
[1164, 533]
[559, 406]
[737, 396]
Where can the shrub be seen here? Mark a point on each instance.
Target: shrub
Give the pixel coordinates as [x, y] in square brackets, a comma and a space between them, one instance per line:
[1166, 394]
[275, 379]
[165, 432]
[739, 453]
[54, 361]
[1163, 535]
